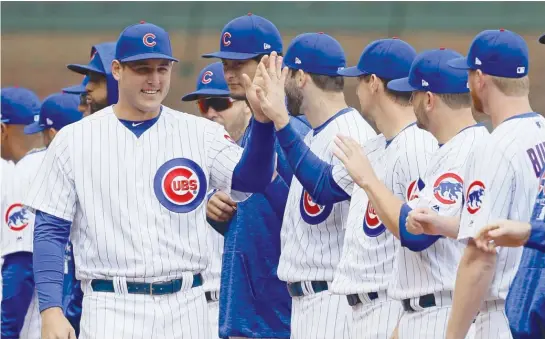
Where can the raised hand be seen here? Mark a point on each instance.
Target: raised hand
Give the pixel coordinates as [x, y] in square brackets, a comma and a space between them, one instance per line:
[252, 85]
[351, 154]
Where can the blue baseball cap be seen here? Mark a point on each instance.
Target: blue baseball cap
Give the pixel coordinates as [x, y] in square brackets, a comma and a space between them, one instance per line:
[96, 64]
[77, 89]
[246, 37]
[386, 58]
[57, 111]
[499, 52]
[542, 39]
[316, 53]
[143, 41]
[20, 106]
[430, 72]
[210, 82]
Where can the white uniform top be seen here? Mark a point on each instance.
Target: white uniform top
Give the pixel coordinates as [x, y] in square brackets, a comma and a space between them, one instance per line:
[212, 274]
[18, 222]
[441, 189]
[502, 184]
[312, 235]
[369, 258]
[138, 203]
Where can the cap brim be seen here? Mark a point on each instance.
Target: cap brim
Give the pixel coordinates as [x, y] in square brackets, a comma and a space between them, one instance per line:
[401, 85]
[5, 121]
[77, 89]
[147, 56]
[231, 55]
[458, 63]
[33, 128]
[542, 39]
[84, 69]
[205, 92]
[351, 72]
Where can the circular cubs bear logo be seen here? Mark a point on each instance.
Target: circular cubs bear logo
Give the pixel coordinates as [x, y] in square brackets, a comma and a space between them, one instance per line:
[311, 212]
[180, 185]
[474, 197]
[372, 226]
[17, 217]
[448, 188]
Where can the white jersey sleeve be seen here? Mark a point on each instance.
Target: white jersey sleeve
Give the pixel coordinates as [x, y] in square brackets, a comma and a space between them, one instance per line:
[223, 156]
[55, 180]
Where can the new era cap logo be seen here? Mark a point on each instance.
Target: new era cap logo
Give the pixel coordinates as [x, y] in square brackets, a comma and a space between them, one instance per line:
[266, 46]
[478, 62]
[48, 121]
[521, 70]
[425, 83]
[149, 39]
[36, 118]
[297, 61]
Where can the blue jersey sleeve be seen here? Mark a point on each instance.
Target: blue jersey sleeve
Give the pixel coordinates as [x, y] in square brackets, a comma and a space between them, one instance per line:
[17, 291]
[415, 243]
[315, 175]
[282, 166]
[255, 169]
[537, 236]
[50, 238]
[277, 195]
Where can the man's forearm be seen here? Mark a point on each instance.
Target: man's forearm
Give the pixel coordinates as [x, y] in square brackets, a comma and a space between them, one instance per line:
[475, 274]
[449, 226]
[386, 204]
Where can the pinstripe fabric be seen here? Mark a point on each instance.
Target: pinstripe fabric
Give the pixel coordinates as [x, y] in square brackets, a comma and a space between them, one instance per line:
[213, 318]
[375, 319]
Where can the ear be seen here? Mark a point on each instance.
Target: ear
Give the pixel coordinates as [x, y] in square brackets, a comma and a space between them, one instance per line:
[116, 69]
[431, 101]
[374, 84]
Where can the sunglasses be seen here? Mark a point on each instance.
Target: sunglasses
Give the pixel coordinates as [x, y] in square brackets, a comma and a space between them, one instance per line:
[218, 104]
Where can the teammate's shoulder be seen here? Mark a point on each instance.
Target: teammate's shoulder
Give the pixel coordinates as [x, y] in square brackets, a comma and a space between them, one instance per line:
[31, 160]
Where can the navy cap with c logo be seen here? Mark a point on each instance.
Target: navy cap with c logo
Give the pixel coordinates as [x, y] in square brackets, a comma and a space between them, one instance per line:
[143, 41]
[210, 83]
[430, 72]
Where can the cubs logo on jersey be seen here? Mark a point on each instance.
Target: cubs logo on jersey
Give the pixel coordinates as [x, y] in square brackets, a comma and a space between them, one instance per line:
[474, 196]
[228, 138]
[17, 217]
[180, 185]
[414, 189]
[372, 226]
[448, 188]
[311, 212]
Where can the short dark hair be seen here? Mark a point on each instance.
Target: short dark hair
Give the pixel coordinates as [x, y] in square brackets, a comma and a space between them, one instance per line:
[326, 83]
[400, 98]
[456, 100]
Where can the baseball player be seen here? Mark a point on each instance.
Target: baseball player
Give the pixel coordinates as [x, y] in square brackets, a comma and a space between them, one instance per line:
[57, 111]
[133, 177]
[6, 181]
[252, 228]
[312, 233]
[80, 90]
[426, 265]
[501, 180]
[100, 85]
[20, 316]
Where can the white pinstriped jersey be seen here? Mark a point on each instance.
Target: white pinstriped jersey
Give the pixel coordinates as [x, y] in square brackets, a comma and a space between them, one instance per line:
[212, 273]
[371, 251]
[502, 183]
[312, 235]
[18, 222]
[434, 269]
[138, 203]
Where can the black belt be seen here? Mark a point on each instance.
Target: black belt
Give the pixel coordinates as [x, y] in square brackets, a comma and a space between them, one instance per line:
[354, 299]
[158, 288]
[211, 296]
[296, 289]
[424, 301]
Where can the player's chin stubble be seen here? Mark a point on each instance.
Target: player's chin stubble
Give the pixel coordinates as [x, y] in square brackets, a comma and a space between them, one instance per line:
[294, 100]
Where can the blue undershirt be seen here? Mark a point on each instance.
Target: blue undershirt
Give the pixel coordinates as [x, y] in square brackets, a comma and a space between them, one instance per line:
[414, 242]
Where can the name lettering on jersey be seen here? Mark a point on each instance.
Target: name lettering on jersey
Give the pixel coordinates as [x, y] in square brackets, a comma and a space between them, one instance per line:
[538, 213]
[17, 217]
[448, 188]
[180, 185]
[311, 212]
[537, 157]
[372, 226]
[414, 189]
[474, 197]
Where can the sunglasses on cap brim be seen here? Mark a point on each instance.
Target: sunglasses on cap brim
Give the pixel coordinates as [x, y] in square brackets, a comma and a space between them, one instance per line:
[218, 104]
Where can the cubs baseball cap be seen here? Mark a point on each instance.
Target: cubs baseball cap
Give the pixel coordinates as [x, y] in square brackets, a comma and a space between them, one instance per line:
[57, 111]
[316, 53]
[143, 41]
[20, 106]
[542, 39]
[95, 64]
[210, 82]
[430, 72]
[497, 52]
[77, 89]
[386, 58]
[246, 37]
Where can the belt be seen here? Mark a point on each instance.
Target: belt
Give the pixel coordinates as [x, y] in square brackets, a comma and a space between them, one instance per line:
[354, 299]
[301, 288]
[212, 296]
[155, 288]
[427, 300]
